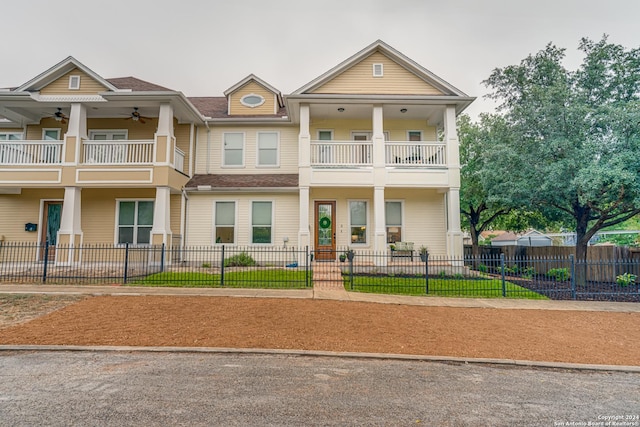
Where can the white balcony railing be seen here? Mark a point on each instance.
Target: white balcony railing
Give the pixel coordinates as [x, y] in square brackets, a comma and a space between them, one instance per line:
[415, 154]
[17, 152]
[178, 160]
[117, 152]
[341, 153]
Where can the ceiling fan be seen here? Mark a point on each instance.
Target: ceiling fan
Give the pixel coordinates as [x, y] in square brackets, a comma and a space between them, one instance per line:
[137, 117]
[59, 116]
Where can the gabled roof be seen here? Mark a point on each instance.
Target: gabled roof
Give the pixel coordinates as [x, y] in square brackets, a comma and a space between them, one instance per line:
[256, 79]
[137, 85]
[60, 69]
[394, 55]
[217, 107]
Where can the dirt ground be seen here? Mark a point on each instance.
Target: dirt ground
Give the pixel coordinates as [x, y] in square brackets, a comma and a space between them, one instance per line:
[540, 335]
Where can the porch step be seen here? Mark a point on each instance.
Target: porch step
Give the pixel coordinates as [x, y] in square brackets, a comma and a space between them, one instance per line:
[327, 276]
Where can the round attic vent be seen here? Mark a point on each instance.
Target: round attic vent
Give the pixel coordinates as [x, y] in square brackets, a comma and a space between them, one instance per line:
[252, 100]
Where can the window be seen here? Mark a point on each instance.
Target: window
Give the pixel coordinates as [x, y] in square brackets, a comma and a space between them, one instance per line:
[135, 220]
[74, 82]
[268, 148]
[358, 221]
[393, 217]
[51, 153]
[12, 153]
[414, 135]
[225, 222]
[252, 100]
[261, 224]
[378, 70]
[10, 136]
[233, 149]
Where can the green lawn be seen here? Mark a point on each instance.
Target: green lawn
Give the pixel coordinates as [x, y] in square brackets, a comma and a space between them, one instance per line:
[273, 278]
[478, 288]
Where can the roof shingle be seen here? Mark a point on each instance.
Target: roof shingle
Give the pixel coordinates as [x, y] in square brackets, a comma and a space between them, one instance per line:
[244, 181]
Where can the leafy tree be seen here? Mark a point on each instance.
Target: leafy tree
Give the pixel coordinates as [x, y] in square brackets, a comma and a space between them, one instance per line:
[574, 152]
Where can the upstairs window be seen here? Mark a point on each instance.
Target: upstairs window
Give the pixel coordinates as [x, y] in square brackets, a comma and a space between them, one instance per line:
[252, 100]
[267, 148]
[378, 70]
[233, 149]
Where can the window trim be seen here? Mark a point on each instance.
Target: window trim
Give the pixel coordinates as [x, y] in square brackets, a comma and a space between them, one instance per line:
[367, 241]
[74, 82]
[324, 130]
[135, 226]
[21, 138]
[273, 220]
[235, 222]
[45, 130]
[244, 150]
[381, 67]
[402, 219]
[246, 104]
[109, 132]
[409, 132]
[277, 163]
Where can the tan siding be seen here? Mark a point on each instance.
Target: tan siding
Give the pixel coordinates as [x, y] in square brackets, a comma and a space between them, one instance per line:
[135, 130]
[183, 138]
[99, 211]
[176, 202]
[397, 129]
[18, 209]
[396, 80]
[288, 150]
[200, 217]
[88, 86]
[34, 132]
[236, 107]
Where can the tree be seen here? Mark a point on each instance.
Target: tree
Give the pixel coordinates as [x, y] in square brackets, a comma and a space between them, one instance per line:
[478, 211]
[575, 146]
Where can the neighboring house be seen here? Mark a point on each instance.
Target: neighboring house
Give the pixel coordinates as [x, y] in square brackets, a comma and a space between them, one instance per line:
[530, 238]
[363, 156]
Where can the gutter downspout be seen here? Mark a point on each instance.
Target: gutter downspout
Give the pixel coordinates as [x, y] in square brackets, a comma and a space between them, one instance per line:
[191, 145]
[206, 123]
[183, 214]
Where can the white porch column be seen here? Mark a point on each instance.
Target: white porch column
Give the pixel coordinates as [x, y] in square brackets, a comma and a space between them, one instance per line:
[380, 228]
[378, 137]
[70, 232]
[304, 234]
[165, 139]
[76, 132]
[161, 230]
[304, 148]
[454, 234]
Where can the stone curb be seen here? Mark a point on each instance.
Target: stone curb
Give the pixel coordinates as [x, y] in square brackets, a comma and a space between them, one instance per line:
[317, 353]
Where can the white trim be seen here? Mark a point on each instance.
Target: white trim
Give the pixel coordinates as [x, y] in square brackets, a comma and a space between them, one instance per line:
[108, 132]
[277, 163]
[150, 170]
[44, 130]
[235, 221]
[414, 131]
[380, 72]
[244, 146]
[58, 181]
[246, 104]
[367, 242]
[74, 82]
[12, 133]
[116, 227]
[273, 205]
[324, 130]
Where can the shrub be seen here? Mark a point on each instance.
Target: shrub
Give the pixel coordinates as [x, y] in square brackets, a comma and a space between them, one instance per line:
[626, 279]
[243, 259]
[206, 265]
[482, 268]
[559, 274]
[528, 272]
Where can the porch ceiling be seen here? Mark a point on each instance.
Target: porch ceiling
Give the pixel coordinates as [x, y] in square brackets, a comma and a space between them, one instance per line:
[432, 113]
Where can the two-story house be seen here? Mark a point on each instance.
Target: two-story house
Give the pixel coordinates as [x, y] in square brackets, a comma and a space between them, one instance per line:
[84, 159]
[363, 156]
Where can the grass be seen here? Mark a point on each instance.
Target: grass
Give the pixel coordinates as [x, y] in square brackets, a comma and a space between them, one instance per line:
[257, 279]
[479, 288]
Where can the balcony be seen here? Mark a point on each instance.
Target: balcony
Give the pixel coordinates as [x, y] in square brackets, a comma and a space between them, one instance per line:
[120, 152]
[18, 153]
[415, 154]
[341, 154]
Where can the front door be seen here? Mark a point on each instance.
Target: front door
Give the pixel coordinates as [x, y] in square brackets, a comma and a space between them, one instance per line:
[51, 217]
[325, 235]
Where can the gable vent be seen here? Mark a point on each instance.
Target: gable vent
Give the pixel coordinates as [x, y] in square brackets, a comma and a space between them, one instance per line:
[74, 82]
[377, 70]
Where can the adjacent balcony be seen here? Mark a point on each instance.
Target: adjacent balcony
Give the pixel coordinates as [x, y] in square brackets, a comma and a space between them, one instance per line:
[338, 154]
[415, 154]
[121, 152]
[18, 153]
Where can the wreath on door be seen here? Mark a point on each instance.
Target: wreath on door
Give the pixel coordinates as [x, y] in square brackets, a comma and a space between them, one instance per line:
[325, 222]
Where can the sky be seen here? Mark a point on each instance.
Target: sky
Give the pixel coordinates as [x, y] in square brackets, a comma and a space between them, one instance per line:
[202, 48]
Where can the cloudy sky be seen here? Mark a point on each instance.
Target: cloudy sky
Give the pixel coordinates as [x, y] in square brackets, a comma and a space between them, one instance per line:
[203, 47]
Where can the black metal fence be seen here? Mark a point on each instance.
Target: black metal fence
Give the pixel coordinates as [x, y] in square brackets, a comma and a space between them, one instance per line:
[409, 273]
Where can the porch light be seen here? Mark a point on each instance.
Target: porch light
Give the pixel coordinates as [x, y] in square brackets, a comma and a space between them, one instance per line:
[341, 110]
[403, 110]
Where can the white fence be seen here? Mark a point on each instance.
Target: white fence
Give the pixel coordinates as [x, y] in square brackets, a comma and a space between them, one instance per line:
[30, 152]
[118, 152]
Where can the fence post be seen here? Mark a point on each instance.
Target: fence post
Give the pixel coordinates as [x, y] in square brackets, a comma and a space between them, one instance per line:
[350, 272]
[162, 253]
[306, 266]
[46, 260]
[222, 268]
[426, 272]
[573, 276]
[504, 285]
[126, 262]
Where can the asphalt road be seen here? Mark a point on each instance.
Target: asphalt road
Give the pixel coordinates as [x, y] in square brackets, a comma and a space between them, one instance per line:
[145, 389]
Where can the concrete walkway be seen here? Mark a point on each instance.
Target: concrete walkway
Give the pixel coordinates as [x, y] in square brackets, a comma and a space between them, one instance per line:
[330, 294]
